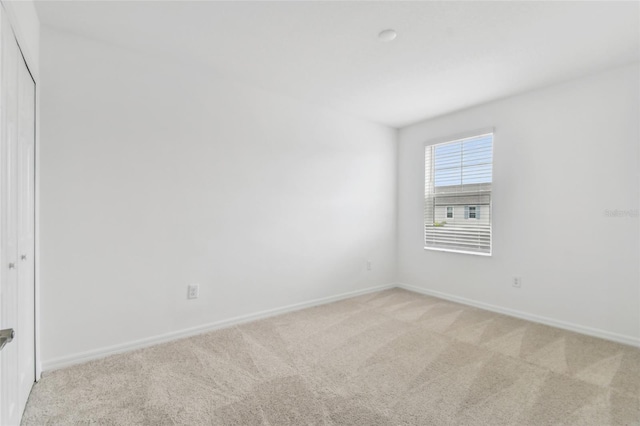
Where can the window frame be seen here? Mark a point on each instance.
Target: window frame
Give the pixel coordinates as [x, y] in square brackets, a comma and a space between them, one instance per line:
[446, 215]
[468, 212]
[453, 138]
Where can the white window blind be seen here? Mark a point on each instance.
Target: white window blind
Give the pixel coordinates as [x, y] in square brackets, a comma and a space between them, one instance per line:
[458, 177]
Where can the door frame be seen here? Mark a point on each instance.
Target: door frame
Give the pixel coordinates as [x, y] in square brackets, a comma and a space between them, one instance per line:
[30, 59]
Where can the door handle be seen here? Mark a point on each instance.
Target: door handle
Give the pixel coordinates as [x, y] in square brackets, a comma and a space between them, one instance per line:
[23, 257]
[6, 336]
[12, 265]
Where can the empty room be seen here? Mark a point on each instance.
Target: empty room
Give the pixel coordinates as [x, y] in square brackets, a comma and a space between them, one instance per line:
[319, 213]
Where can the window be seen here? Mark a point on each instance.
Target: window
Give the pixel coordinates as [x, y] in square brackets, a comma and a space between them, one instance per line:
[471, 212]
[459, 175]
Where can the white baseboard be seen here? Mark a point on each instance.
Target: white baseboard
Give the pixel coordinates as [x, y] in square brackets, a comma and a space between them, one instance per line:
[620, 338]
[81, 357]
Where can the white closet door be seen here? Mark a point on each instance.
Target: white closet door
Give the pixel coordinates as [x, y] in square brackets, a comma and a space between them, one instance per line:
[17, 144]
[11, 410]
[26, 231]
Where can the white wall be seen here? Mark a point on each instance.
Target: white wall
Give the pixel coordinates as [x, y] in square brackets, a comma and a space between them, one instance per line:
[562, 156]
[156, 175]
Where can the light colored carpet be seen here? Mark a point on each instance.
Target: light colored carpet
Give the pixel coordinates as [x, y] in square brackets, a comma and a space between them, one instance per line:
[387, 358]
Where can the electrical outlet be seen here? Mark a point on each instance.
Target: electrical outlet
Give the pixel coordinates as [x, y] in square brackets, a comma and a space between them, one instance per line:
[517, 282]
[368, 265]
[193, 291]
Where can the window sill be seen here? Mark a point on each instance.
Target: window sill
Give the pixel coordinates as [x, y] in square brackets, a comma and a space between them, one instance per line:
[458, 251]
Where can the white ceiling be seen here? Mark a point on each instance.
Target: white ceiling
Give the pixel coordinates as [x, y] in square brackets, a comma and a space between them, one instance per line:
[447, 56]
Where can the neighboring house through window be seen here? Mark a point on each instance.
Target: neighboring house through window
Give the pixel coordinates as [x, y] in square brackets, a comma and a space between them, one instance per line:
[459, 176]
